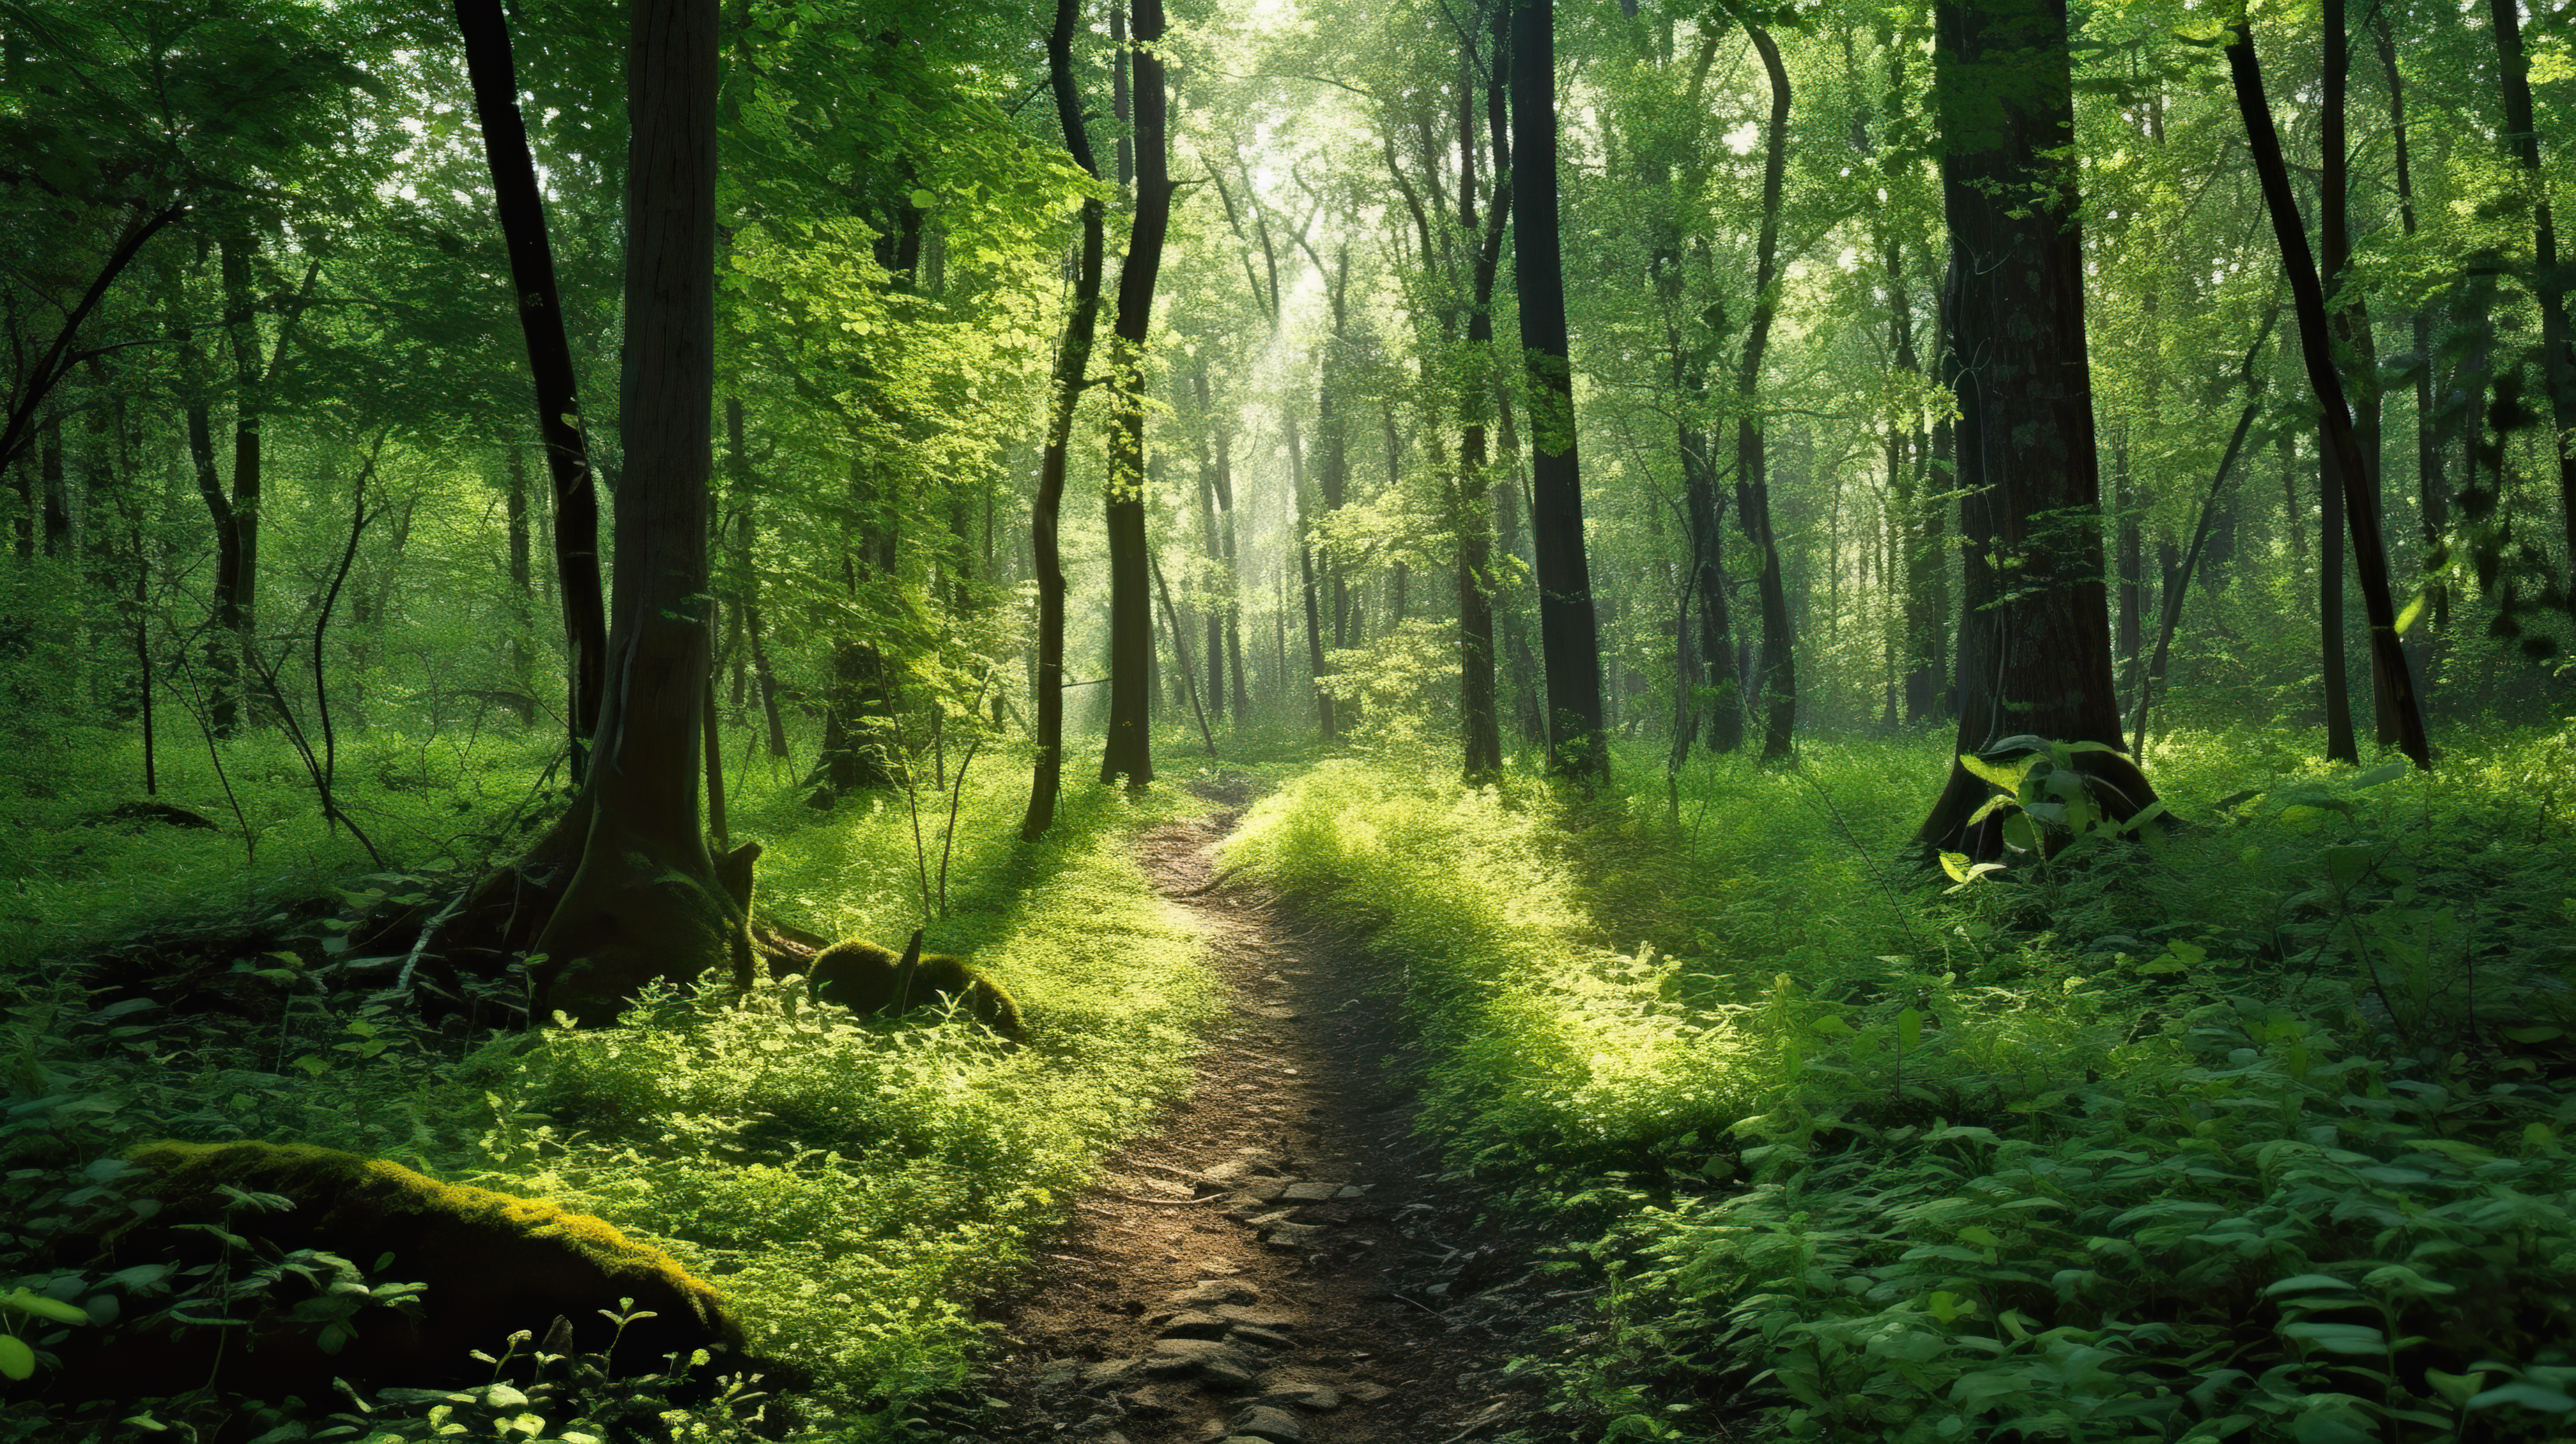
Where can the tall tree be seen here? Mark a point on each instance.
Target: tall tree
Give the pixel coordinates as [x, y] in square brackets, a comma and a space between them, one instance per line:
[2557, 361]
[2350, 472]
[494, 77]
[2034, 639]
[1129, 750]
[1072, 363]
[1779, 667]
[1577, 744]
[644, 901]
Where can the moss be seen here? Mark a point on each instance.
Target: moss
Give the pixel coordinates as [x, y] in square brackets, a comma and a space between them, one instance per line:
[364, 1207]
[866, 978]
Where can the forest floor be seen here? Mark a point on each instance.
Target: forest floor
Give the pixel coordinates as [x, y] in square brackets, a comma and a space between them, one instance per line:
[1281, 1261]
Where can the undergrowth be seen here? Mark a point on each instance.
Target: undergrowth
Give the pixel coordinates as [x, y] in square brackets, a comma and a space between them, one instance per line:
[851, 1186]
[2257, 1134]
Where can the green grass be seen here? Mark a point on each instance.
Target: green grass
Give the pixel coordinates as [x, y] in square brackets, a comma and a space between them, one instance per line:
[2255, 1135]
[853, 1187]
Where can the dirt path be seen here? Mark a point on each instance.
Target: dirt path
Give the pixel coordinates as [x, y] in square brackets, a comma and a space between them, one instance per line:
[1279, 1263]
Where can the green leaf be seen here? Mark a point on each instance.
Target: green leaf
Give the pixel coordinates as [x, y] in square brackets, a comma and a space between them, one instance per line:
[1956, 865]
[2306, 1283]
[2413, 610]
[26, 1302]
[2529, 1396]
[2004, 775]
[16, 1359]
[2455, 1388]
[2339, 1338]
[2349, 865]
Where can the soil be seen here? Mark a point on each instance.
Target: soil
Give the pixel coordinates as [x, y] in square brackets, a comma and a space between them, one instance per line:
[1282, 1260]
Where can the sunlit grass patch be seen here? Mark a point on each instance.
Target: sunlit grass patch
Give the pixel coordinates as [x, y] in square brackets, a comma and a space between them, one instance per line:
[852, 1185]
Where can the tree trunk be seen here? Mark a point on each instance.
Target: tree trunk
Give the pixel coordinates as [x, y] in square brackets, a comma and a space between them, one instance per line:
[738, 461]
[644, 902]
[2432, 498]
[2351, 473]
[1325, 722]
[2558, 364]
[532, 279]
[1577, 746]
[1778, 682]
[1471, 498]
[523, 597]
[241, 329]
[222, 651]
[2178, 573]
[2034, 656]
[1129, 751]
[1073, 361]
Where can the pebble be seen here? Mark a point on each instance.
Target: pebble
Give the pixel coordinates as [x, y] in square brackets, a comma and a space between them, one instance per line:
[1310, 1191]
[1264, 1338]
[1367, 1393]
[1192, 1324]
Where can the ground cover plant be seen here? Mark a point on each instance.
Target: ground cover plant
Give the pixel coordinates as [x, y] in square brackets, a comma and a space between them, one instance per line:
[852, 1186]
[2257, 1133]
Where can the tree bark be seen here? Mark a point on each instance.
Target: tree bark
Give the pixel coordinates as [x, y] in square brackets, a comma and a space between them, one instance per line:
[2351, 473]
[644, 902]
[2034, 652]
[1577, 745]
[532, 278]
[1129, 750]
[1778, 678]
[1072, 362]
[2433, 499]
[2558, 364]
[1471, 497]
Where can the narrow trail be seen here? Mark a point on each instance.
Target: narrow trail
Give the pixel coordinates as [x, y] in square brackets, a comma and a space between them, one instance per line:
[1279, 1262]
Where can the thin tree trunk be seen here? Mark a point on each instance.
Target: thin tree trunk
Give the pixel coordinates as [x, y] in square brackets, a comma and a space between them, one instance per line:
[1072, 362]
[1129, 749]
[2351, 473]
[2177, 584]
[2432, 498]
[1577, 745]
[1779, 667]
[532, 279]
[1181, 650]
[2558, 364]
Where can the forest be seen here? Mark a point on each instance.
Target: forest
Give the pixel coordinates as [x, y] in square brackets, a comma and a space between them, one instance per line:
[1313, 721]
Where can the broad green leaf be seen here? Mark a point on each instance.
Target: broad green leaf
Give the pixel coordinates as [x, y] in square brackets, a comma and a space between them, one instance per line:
[16, 1359]
[2529, 1396]
[2006, 775]
[1956, 865]
[2306, 1283]
[2349, 865]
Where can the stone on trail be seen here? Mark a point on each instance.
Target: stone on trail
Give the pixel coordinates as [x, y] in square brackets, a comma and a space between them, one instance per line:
[1262, 1421]
[1295, 1235]
[1318, 1397]
[1204, 1358]
[1212, 1292]
[1257, 1318]
[1368, 1393]
[1245, 1334]
[1314, 1192]
[1192, 1324]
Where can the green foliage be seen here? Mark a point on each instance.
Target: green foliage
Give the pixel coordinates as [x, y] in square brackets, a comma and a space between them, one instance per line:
[852, 1184]
[2260, 1137]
